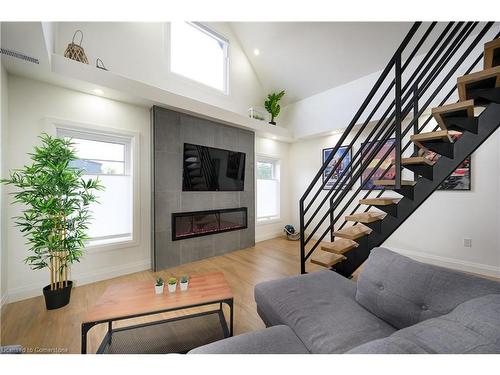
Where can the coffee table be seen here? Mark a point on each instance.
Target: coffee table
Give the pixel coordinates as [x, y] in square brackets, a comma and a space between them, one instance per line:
[138, 298]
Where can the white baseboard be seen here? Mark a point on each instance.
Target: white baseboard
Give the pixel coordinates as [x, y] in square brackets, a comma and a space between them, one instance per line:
[35, 289]
[3, 300]
[456, 264]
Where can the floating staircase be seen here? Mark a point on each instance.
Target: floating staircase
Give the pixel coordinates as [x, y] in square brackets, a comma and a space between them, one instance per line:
[355, 232]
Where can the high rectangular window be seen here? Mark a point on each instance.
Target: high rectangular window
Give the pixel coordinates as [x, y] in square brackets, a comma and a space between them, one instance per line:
[268, 189]
[107, 157]
[200, 54]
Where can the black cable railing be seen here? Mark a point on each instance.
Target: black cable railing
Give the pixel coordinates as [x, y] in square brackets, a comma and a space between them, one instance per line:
[368, 139]
[409, 143]
[415, 115]
[447, 45]
[383, 117]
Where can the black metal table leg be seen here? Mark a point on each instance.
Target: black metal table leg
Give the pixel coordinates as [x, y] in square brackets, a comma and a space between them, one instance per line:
[85, 328]
[231, 316]
[110, 330]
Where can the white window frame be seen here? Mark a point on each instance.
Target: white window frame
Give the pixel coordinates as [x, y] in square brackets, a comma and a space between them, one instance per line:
[214, 34]
[55, 127]
[98, 136]
[276, 176]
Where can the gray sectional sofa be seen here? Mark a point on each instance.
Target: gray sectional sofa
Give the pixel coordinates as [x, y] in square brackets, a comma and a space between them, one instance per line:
[398, 305]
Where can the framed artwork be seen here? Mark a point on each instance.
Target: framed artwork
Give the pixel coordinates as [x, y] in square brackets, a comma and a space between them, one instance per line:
[344, 164]
[366, 149]
[460, 178]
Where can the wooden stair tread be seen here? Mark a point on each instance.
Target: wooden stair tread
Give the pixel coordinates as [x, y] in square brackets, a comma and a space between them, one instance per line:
[442, 135]
[438, 112]
[339, 246]
[431, 136]
[354, 232]
[366, 217]
[417, 160]
[489, 49]
[463, 81]
[326, 259]
[454, 106]
[495, 43]
[393, 182]
[379, 201]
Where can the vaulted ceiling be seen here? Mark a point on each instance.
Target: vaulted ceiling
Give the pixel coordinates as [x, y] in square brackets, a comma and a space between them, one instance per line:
[306, 58]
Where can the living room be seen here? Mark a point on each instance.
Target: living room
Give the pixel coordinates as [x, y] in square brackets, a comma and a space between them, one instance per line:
[258, 187]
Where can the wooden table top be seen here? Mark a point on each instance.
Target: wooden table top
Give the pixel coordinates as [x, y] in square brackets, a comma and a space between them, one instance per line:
[136, 298]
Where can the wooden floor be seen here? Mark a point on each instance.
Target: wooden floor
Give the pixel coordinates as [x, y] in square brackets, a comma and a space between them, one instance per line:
[29, 324]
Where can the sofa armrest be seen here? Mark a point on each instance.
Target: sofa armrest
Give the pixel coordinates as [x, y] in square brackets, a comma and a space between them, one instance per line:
[274, 340]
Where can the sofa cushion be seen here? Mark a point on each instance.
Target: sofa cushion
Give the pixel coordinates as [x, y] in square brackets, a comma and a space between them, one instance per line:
[473, 327]
[321, 309]
[388, 345]
[274, 340]
[404, 292]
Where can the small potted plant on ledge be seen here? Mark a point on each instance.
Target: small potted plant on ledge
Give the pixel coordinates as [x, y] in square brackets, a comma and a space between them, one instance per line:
[172, 284]
[55, 213]
[159, 285]
[272, 105]
[184, 282]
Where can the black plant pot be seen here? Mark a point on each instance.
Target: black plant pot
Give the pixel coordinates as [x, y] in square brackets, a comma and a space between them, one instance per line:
[272, 122]
[55, 299]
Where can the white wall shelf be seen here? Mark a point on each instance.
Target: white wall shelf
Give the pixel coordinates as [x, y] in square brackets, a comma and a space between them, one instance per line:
[86, 78]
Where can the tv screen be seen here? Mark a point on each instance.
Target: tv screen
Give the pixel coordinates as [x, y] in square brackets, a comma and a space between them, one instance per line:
[212, 169]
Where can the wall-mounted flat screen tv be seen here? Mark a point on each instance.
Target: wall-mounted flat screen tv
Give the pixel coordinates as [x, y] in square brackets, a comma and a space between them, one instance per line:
[212, 169]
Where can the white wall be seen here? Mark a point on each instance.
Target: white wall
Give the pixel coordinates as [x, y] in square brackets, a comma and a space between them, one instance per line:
[277, 150]
[30, 102]
[328, 110]
[435, 231]
[3, 143]
[140, 51]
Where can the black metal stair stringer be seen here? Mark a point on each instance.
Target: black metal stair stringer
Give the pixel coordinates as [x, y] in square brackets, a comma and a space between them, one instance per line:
[489, 122]
[461, 124]
[424, 170]
[482, 95]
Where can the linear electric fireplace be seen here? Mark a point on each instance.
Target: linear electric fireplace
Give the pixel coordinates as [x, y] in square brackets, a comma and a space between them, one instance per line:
[202, 223]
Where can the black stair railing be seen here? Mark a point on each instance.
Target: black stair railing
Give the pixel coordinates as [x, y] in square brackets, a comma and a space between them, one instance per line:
[415, 119]
[447, 46]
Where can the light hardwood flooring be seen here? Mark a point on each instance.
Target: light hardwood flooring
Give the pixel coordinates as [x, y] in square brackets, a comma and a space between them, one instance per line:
[29, 324]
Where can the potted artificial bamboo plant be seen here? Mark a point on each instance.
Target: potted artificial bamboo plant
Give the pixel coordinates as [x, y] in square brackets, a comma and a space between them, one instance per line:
[56, 201]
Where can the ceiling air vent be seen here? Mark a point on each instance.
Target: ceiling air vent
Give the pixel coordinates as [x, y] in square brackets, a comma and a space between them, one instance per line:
[18, 55]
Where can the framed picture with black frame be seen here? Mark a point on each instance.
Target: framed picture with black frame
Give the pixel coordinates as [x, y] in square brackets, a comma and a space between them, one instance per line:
[366, 149]
[344, 164]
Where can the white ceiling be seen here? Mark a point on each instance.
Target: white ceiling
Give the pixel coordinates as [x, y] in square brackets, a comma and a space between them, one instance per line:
[306, 58]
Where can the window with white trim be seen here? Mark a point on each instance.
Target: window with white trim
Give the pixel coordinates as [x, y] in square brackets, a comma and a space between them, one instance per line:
[268, 189]
[200, 54]
[109, 158]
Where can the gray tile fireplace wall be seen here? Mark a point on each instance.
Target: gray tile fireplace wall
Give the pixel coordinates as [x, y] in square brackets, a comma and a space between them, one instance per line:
[170, 130]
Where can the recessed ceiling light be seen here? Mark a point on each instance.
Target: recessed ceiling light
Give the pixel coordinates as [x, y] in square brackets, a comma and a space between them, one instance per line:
[274, 137]
[256, 52]
[98, 91]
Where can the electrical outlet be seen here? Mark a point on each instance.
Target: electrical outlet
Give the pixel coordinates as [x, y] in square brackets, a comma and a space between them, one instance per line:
[467, 242]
